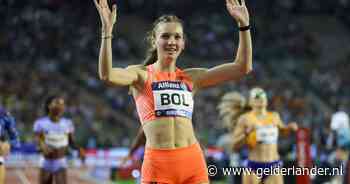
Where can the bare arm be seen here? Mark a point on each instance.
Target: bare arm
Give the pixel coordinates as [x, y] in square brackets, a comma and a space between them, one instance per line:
[73, 144]
[40, 139]
[108, 74]
[140, 140]
[239, 134]
[285, 130]
[241, 65]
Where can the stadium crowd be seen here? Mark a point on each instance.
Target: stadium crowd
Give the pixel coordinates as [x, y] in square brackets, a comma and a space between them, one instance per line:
[52, 46]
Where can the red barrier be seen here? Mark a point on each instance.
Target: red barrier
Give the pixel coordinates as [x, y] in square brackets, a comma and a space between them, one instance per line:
[303, 153]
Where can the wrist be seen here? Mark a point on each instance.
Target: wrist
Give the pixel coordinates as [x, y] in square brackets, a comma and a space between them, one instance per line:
[242, 24]
[107, 37]
[106, 30]
[244, 28]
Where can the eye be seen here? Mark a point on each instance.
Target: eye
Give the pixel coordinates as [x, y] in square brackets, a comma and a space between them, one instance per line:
[165, 36]
[178, 37]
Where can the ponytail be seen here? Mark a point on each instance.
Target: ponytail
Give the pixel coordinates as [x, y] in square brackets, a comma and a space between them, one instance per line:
[232, 106]
[151, 57]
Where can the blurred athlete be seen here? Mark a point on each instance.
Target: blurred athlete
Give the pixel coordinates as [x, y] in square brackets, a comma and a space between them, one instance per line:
[340, 127]
[259, 129]
[7, 129]
[54, 136]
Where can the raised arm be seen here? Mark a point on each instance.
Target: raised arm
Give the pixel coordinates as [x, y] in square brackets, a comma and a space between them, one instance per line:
[241, 65]
[108, 74]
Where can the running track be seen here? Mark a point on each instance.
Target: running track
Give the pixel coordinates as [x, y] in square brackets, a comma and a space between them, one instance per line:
[30, 176]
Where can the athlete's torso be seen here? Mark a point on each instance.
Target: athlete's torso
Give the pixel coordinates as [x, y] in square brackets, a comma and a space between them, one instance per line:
[266, 128]
[56, 134]
[167, 119]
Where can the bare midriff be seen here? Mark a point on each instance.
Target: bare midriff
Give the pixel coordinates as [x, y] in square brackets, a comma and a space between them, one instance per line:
[264, 153]
[169, 133]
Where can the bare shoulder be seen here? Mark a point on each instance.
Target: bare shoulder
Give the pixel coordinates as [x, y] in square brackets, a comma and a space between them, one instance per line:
[275, 114]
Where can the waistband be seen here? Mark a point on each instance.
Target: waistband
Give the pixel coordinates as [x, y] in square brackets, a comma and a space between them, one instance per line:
[172, 153]
[256, 165]
[54, 165]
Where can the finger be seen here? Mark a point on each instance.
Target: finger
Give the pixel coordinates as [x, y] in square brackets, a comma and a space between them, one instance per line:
[114, 8]
[104, 3]
[243, 2]
[229, 3]
[234, 2]
[114, 12]
[96, 4]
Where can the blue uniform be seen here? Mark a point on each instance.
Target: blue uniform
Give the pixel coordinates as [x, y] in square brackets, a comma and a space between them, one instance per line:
[8, 128]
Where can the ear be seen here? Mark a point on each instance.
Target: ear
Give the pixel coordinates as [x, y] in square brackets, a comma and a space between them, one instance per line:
[154, 42]
[154, 45]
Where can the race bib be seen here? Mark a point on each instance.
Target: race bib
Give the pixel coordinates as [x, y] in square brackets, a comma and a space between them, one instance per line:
[56, 140]
[172, 98]
[267, 134]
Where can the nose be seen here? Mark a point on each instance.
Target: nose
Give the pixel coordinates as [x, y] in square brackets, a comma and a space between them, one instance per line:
[171, 40]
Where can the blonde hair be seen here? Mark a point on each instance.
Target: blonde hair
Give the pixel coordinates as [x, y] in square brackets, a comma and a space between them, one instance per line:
[232, 105]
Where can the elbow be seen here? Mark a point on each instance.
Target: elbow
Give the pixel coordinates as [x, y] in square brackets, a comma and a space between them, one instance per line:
[105, 79]
[244, 64]
[246, 68]
[104, 76]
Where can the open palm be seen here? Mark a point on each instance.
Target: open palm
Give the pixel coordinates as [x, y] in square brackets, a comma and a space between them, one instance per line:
[108, 16]
[238, 11]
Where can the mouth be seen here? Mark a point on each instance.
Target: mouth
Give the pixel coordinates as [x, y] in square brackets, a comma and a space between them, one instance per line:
[171, 50]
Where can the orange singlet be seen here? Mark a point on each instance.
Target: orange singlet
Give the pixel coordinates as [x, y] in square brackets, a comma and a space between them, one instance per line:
[266, 128]
[165, 94]
[169, 94]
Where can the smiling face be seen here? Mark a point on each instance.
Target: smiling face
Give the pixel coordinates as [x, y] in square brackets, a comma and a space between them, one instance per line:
[169, 41]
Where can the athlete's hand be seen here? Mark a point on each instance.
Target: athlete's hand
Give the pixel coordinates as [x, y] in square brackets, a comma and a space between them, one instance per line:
[238, 11]
[248, 129]
[53, 153]
[4, 148]
[293, 126]
[82, 154]
[46, 150]
[124, 160]
[108, 17]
